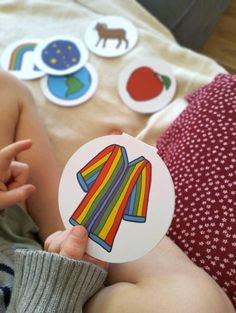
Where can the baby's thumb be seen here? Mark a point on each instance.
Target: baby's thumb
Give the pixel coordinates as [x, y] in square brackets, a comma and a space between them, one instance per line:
[16, 195]
[75, 244]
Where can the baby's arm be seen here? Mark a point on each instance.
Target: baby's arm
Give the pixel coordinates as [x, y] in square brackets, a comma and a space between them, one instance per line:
[19, 120]
[163, 281]
[59, 280]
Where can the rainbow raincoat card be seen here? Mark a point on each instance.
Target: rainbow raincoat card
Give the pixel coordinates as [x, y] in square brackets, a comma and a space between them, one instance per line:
[121, 191]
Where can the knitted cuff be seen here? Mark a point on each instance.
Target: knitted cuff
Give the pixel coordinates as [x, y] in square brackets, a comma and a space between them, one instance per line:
[48, 282]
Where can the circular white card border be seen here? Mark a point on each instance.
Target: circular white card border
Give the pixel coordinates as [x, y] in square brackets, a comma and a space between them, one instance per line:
[47, 69]
[133, 240]
[69, 103]
[91, 37]
[6, 56]
[155, 104]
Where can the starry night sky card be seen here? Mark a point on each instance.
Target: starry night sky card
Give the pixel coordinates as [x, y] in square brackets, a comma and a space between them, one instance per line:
[61, 55]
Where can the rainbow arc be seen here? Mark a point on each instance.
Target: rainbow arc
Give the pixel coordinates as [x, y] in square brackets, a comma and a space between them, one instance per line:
[18, 54]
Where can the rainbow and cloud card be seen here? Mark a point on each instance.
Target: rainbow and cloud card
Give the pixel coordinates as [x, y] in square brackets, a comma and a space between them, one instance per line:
[18, 58]
[111, 36]
[122, 192]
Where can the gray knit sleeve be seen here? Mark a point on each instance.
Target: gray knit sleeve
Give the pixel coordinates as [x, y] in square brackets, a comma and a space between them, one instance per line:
[47, 282]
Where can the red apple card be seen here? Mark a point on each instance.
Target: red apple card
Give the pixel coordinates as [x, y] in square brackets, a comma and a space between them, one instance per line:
[18, 58]
[111, 36]
[147, 85]
[121, 191]
[61, 55]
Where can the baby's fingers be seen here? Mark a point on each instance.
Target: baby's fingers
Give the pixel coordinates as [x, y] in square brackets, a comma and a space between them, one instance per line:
[75, 243]
[8, 153]
[16, 195]
[20, 174]
[54, 241]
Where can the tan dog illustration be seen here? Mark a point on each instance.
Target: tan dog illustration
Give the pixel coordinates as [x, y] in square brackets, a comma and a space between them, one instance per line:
[105, 33]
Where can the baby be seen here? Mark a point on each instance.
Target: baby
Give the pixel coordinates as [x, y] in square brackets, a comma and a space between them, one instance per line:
[63, 278]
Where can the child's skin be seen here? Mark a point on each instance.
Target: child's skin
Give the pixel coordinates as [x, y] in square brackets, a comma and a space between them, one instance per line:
[14, 175]
[18, 121]
[164, 280]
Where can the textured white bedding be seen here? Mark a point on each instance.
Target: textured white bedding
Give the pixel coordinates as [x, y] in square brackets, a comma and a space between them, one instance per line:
[68, 128]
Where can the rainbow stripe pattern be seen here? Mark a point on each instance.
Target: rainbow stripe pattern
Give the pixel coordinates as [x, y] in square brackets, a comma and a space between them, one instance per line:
[115, 190]
[17, 56]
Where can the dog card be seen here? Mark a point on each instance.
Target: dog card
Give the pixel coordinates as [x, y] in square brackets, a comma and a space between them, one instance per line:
[111, 36]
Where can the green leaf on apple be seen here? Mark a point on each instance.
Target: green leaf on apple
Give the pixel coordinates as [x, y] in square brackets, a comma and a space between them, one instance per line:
[166, 81]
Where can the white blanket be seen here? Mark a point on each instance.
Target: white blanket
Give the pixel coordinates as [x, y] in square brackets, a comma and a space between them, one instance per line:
[68, 128]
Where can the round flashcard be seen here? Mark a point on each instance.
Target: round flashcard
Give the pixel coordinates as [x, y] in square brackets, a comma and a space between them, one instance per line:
[18, 58]
[122, 192]
[73, 89]
[111, 36]
[147, 85]
[61, 55]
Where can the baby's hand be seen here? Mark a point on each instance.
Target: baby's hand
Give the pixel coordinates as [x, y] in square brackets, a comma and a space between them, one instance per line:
[72, 244]
[14, 175]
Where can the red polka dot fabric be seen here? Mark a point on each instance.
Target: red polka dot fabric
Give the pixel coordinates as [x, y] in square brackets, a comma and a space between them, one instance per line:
[199, 149]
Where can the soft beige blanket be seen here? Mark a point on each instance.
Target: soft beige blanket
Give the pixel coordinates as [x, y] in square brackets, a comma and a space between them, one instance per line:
[68, 128]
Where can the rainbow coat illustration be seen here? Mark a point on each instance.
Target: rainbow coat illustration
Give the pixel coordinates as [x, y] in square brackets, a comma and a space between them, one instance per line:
[116, 190]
